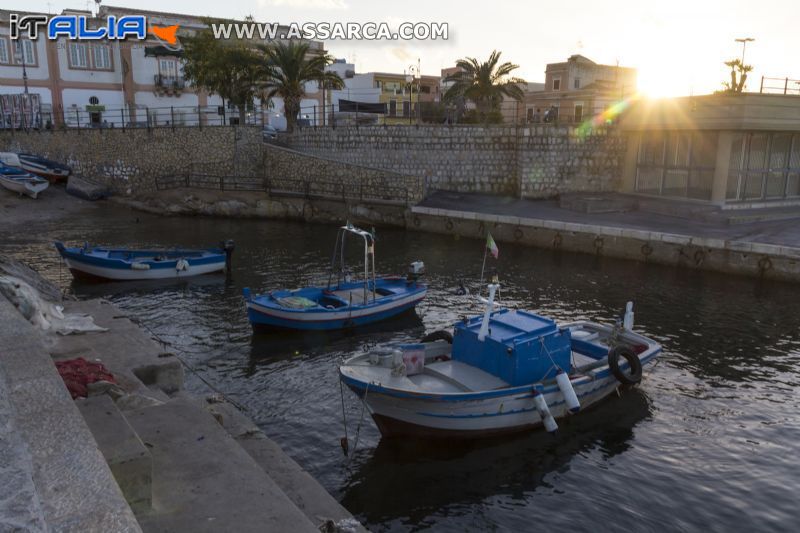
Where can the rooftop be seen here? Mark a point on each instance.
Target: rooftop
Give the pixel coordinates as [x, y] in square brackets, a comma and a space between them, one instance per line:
[748, 111]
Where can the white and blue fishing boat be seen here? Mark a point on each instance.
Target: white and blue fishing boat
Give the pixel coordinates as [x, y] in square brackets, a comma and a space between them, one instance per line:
[21, 182]
[128, 264]
[344, 302]
[509, 370]
[46, 168]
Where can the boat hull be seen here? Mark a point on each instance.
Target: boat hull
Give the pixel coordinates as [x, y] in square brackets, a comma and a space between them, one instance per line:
[52, 171]
[90, 266]
[401, 413]
[24, 186]
[100, 273]
[261, 316]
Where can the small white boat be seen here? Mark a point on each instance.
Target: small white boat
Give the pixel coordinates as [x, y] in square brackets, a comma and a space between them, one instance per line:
[22, 182]
[509, 370]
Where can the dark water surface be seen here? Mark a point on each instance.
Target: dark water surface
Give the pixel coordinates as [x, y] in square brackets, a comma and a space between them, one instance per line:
[709, 442]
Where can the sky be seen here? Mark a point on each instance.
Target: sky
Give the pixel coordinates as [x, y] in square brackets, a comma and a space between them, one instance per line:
[678, 46]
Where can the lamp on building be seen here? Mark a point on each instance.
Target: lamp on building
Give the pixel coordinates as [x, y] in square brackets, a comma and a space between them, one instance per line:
[744, 41]
[414, 74]
[19, 55]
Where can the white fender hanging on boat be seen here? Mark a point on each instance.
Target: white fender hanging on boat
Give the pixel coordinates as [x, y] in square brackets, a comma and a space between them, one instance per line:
[140, 266]
[182, 265]
[567, 391]
[544, 412]
[627, 322]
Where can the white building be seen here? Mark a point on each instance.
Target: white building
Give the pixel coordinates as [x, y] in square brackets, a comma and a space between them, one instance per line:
[111, 83]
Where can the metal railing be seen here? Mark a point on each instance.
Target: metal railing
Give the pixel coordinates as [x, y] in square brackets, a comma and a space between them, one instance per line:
[779, 86]
[394, 112]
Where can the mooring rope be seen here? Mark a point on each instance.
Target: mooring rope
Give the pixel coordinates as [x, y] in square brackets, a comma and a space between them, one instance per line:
[186, 364]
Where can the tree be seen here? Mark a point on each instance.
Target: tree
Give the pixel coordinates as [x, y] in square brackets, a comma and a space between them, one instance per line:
[738, 70]
[485, 84]
[288, 67]
[230, 69]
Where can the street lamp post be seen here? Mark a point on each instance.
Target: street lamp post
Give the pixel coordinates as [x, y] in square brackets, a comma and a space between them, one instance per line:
[20, 56]
[744, 41]
[414, 74]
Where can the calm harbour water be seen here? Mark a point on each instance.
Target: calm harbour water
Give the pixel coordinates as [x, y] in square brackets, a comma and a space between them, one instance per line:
[708, 442]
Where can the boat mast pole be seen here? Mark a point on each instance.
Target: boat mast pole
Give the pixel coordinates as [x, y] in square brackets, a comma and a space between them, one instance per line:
[374, 283]
[366, 267]
[333, 258]
[480, 286]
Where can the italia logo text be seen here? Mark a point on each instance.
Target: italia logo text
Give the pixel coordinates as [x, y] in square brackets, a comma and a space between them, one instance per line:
[77, 27]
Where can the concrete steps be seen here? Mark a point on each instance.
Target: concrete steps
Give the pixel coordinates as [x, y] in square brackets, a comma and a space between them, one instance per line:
[203, 480]
[302, 489]
[126, 455]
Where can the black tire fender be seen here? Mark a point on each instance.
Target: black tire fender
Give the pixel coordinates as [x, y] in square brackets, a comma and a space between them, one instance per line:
[439, 335]
[635, 375]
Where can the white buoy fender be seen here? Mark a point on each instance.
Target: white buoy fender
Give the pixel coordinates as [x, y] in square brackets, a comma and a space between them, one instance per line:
[627, 321]
[182, 265]
[544, 412]
[140, 266]
[568, 392]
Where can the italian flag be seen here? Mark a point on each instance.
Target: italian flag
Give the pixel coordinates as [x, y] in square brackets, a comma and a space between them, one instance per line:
[492, 246]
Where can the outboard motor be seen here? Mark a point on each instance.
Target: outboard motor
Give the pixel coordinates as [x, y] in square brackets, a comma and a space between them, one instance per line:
[228, 247]
[415, 271]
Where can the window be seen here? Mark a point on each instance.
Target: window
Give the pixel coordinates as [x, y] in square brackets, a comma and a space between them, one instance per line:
[577, 83]
[556, 84]
[93, 100]
[4, 59]
[764, 166]
[168, 68]
[678, 164]
[78, 58]
[578, 112]
[101, 55]
[25, 49]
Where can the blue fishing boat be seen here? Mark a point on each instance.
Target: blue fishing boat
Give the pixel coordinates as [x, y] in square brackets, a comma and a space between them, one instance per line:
[46, 168]
[505, 371]
[343, 302]
[129, 264]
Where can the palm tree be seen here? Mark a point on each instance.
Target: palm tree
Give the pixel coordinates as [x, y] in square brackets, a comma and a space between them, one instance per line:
[737, 68]
[485, 84]
[288, 68]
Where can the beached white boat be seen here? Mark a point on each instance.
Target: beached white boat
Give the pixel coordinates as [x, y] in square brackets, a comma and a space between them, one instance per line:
[22, 182]
[509, 370]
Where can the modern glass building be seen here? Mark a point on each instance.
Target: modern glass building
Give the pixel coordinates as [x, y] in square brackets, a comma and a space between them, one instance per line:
[735, 151]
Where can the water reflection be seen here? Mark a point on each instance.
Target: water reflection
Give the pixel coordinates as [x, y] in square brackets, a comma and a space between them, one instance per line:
[436, 475]
[707, 443]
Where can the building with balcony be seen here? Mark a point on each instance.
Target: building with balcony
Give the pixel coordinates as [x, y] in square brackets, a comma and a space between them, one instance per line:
[577, 89]
[111, 83]
[398, 96]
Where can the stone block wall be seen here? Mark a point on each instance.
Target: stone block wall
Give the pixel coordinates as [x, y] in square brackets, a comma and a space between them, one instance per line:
[465, 158]
[401, 161]
[294, 171]
[561, 159]
[532, 162]
[129, 161]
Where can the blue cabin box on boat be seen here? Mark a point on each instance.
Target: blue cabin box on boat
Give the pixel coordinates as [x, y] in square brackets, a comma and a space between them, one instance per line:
[520, 347]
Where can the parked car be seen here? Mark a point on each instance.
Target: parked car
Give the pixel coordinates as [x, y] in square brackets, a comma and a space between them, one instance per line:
[269, 133]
